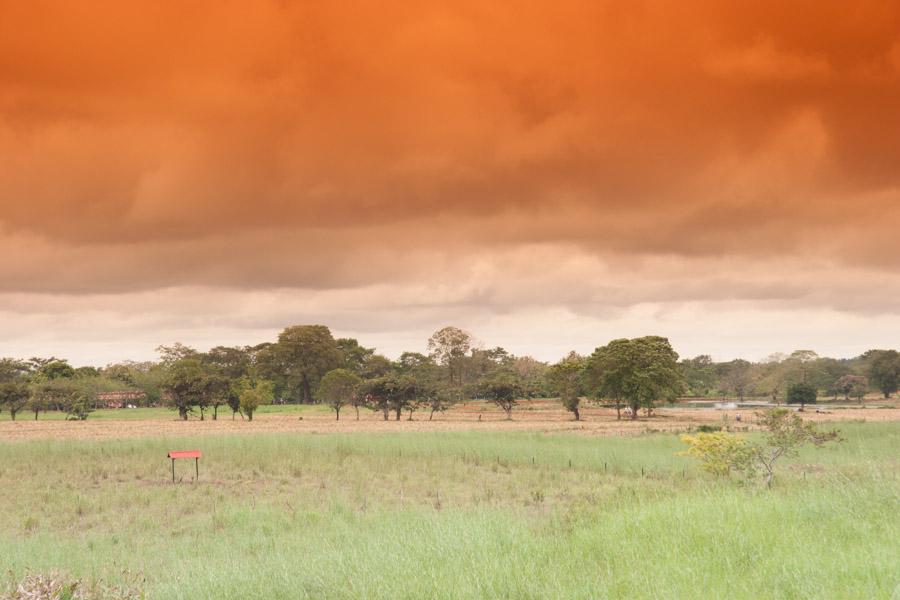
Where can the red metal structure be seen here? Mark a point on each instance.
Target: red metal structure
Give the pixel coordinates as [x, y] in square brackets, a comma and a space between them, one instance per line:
[195, 454]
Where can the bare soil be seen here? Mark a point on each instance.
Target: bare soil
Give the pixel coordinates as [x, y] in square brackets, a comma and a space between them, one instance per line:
[536, 415]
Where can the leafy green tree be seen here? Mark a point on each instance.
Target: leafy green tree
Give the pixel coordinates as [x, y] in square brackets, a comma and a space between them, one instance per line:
[699, 375]
[306, 353]
[338, 388]
[565, 378]
[255, 393]
[355, 355]
[802, 394]
[14, 395]
[449, 347]
[639, 371]
[738, 377]
[55, 369]
[785, 432]
[503, 389]
[86, 372]
[532, 374]
[390, 393]
[432, 391]
[884, 370]
[852, 385]
[184, 385]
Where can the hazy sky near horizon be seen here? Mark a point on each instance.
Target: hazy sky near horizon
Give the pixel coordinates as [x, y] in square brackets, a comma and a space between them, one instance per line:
[546, 175]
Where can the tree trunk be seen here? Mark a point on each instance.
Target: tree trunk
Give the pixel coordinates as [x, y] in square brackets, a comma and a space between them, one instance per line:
[337, 413]
[202, 409]
[634, 412]
[12, 415]
[508, 410]
[431, 416]
[398, 410]
[386, 411]
[577, 415]
[357, 412]
[35, 415]
[618, 411]
[215, 412]
[249, 416]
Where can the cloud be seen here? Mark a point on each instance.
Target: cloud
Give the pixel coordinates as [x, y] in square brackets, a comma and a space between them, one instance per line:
[584, 157]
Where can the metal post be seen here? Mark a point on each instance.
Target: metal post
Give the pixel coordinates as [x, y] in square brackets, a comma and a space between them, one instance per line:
[196, 469]
[173, 470]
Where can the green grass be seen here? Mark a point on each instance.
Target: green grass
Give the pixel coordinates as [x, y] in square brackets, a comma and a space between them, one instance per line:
[453, 515]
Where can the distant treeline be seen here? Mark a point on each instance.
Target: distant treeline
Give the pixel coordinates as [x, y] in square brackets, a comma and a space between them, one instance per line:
[307, 364]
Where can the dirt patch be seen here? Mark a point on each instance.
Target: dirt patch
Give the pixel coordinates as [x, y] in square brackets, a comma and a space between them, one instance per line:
[541, 416]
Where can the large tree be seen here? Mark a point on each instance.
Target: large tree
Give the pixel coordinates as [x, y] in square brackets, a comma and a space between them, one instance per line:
[884, 370]
[449, 347]
[306, 353]
[184, 385]
[638, 371]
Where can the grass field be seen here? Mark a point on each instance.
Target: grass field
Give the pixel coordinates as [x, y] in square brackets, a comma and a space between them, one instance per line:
[451, 515]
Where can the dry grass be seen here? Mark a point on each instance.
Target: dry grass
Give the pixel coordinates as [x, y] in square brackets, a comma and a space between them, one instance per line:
[535, 415]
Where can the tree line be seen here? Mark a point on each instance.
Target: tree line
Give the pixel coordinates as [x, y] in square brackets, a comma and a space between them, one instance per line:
[306, 364]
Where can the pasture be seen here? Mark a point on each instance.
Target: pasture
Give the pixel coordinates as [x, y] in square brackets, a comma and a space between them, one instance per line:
[387, 513]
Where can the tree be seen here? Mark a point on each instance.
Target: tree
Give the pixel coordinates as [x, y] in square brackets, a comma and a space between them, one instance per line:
[176, 352]
[721, 452]
[802, 394]
[504, 390]
[565, 378]
[449, 347]
[785, 433]
[355, 355]
[255, 393]
[639, 371]
[184, 385]
[699, 375]
[55, 369]
[391, 392]
[802, 366]
[14, 396]
[337, 388]
[738, 377]
[306, 353]
[884, 370]
[852, 385]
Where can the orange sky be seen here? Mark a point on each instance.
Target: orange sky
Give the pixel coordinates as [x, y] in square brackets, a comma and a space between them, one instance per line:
[548, 175]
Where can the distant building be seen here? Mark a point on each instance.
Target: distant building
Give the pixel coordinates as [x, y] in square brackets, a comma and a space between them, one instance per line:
[119, 399]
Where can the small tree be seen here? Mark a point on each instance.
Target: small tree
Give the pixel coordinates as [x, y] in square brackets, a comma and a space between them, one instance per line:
[14, 395]
[504, 390]
[852, 385]
[255, 393]
[565, 379]
[338, 388]
[802, 394]
[721, 453]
